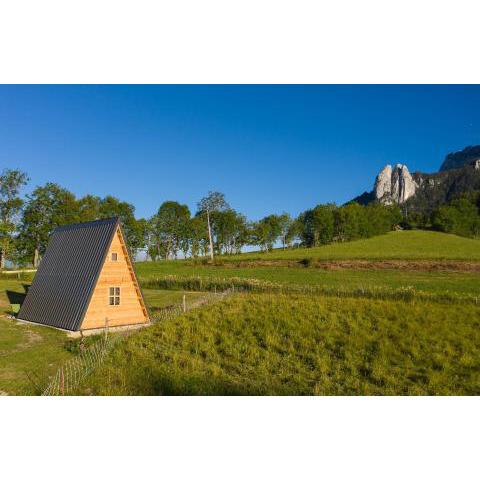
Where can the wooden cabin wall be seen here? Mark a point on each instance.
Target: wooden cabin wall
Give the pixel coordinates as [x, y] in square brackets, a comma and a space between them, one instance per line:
[131, 310]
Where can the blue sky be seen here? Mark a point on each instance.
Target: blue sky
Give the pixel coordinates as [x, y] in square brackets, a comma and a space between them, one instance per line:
[268, 148]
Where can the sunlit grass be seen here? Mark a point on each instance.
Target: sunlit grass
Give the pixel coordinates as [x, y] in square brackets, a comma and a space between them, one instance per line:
[301, 344]
[179, 275]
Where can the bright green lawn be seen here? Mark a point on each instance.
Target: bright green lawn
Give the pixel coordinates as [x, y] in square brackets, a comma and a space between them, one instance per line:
[432, 282]
[298, 344]
[28, 355]
[295, 344]
[402, 245]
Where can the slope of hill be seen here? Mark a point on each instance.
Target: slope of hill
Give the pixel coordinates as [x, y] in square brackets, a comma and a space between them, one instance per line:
[264, 344]
[430, 262]
[402, 245]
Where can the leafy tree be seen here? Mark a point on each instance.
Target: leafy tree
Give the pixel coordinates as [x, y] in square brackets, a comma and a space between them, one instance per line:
[285, 222]
[229, 230]
[89, 208]
[318, 225]
[170, 226]
[213, 202]
[380, 219]
[350, 222]
[142, 232]
[461, 217]
[46, 208]
[294, 232]
[266, 232]
[11, 181]
[111, 206]
[198, 237]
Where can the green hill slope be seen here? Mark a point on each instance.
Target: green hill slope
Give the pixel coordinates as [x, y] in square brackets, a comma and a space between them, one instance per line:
[403, 245]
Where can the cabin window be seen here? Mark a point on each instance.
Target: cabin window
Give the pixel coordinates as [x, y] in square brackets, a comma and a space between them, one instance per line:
[114, 257]
[114, 296]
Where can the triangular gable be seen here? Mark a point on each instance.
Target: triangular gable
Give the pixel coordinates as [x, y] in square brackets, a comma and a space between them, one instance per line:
[117, 299]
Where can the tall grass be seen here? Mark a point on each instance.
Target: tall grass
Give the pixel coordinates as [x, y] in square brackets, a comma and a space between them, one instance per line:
[298, 344]
[210, 284]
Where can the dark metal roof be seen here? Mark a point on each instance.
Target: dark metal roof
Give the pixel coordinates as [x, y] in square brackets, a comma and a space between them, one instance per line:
[65, 281]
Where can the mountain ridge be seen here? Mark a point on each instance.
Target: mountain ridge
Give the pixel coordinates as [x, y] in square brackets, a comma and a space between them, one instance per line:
[459, 173]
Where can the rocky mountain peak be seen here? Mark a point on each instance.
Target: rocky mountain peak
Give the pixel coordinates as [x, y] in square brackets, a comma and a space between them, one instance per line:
[469, 155]
[394, 185]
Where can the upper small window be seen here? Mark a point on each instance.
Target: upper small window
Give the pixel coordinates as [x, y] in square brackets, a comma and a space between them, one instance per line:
[114, 257]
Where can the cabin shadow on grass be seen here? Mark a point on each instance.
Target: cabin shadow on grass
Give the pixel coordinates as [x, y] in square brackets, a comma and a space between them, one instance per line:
[16, 299]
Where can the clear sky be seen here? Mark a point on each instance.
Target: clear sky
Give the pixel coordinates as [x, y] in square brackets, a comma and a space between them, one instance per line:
[268, 148]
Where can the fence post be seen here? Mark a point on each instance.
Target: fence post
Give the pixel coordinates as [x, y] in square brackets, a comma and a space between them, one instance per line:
[62, 381]
[106, 330]
[184, 303]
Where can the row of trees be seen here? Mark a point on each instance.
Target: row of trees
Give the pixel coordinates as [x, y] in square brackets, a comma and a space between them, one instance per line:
[328, 223]
[215, 228]
[26, 224]
[461, 216]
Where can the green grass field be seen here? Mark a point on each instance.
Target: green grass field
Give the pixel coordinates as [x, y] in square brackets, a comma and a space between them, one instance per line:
[285, 343]
[431, 282]
[402, 245]
[29, 353]
[261, 344]
[410, 246]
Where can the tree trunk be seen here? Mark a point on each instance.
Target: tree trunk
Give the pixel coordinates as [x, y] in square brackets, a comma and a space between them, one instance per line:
[35, 258]
[2, 260]
[210, 235]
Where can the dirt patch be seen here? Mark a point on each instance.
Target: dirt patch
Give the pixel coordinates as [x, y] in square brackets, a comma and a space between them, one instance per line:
[32, 337]
[423, 265]
[414, 265]
[29, 339]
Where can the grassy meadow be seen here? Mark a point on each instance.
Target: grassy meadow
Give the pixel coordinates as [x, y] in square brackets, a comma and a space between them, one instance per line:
[263, 344]
[178, 273]
[311, 343]
[303, 328]
[400, 245]
[430, 262]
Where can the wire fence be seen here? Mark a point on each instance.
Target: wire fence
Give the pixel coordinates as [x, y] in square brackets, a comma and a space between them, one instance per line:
[71, 374]
[173, 311]
[251, 285]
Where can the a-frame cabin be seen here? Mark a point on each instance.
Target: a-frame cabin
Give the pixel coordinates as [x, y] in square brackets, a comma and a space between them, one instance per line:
[86, 280]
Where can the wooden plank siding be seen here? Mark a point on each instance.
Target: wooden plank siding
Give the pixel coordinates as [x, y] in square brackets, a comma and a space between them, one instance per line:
[118, 273]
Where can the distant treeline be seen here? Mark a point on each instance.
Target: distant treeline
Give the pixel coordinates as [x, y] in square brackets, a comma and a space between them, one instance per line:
[215, 228]
[460, 216]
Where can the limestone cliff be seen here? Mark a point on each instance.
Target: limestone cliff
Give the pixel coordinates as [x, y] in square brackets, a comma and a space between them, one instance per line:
[422, 192]
[394, 186]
